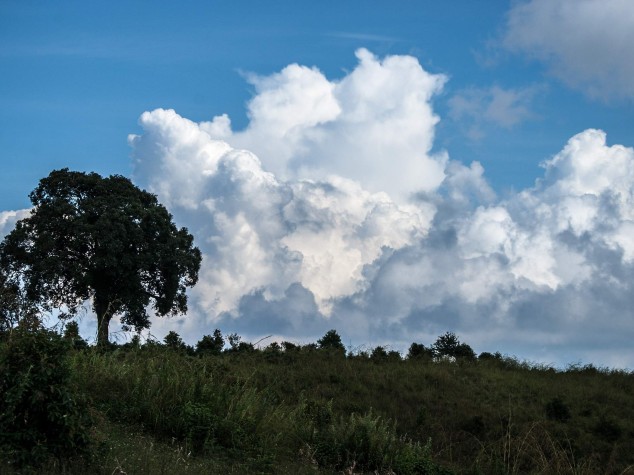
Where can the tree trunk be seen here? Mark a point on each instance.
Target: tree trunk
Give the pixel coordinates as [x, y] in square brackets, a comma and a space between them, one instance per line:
[103, 322]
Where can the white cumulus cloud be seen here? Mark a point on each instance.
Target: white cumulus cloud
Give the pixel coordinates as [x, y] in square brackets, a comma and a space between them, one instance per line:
[328, 210]
[259, 232]
[9, 218]
[374, 126]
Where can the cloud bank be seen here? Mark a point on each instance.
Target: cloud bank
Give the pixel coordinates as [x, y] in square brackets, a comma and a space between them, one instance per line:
[586, 43]
[330, 210]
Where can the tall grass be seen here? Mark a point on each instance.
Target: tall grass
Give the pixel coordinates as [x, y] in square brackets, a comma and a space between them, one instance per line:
[215, 411]
[162, 410]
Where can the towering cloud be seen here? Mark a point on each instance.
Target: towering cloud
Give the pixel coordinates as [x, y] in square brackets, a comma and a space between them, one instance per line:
[327, 193]
[339, 216]
[374, 126]
[259, 232]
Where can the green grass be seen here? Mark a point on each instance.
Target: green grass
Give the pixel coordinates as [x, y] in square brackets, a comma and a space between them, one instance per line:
[157, 410]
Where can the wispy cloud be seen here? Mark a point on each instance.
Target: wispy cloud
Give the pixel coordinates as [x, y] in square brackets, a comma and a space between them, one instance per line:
[477, 108]
[366, 37]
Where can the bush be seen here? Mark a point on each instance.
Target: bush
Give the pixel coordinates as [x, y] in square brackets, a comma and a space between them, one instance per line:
[362, 443]
[607, 429]
[331, 341]
[71, 334]
[448, 345]
[557, 410]
[238, 346]
[42, 417]
[378, 354]
[419, 351]
[211, 345]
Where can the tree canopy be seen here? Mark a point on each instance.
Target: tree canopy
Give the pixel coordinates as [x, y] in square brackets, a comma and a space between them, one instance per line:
[331, 341]
[448, 345]
[9, 303]
[100, 239]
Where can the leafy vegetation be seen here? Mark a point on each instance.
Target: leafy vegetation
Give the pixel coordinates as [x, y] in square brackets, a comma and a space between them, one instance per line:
[103, 239]
[43, 416]
[287, 408]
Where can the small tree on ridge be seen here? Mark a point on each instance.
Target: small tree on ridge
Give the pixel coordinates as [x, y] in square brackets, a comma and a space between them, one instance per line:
[331, 341]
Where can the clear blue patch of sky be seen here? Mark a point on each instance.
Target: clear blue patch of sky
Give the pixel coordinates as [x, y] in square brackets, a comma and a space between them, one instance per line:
[77, 75]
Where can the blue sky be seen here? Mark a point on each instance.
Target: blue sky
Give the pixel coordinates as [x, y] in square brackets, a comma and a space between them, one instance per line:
[77, 75]
[513, 83]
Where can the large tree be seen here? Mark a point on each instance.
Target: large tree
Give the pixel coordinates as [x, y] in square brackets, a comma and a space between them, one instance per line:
[104, 240]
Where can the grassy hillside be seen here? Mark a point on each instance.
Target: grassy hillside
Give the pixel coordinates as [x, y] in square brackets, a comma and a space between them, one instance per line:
[165, 409]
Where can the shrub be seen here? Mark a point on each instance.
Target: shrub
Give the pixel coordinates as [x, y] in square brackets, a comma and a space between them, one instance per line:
[607, 429]
[448, 345]
[557, 410]
[362, 443]
[41, 416]
[238, 346]
[331, 341]
[288, 346]
[475, 425]
[419, 351]
[71, 334]
[200, 422]
[211, 344]
[378, 354]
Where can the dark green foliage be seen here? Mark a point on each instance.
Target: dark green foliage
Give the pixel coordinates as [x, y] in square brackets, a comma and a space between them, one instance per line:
[465, 352]
[71, 334]
[42, 415]
[303, 410]
[135, 342]
[486, 356]
[381, 355]
[211, 344]
[174, 341]
[9, 303]
[608, 429]
[419, 351]
[331, 341]
[103, 239]
[288, 346]
[475, 425]
[232, 421]
[361, 443]
[237, 345]
[448, 345]
[378, 354]
[200, 422]
[273, 348]
[557, 410]
[13, 306]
